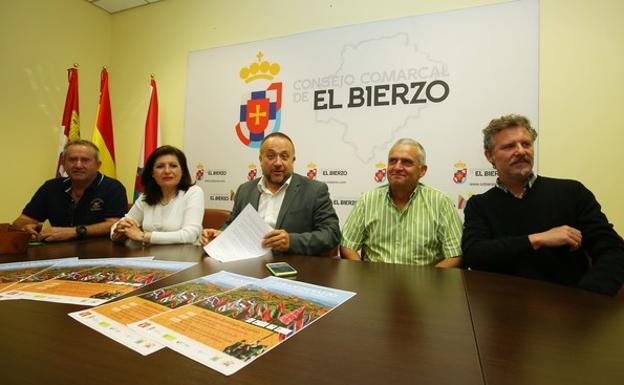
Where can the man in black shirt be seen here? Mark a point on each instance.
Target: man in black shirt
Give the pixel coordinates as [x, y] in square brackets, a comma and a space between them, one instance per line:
[537, 227]
[84, 204]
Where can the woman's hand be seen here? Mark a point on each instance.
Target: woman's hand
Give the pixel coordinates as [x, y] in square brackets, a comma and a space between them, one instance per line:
[128, 228]
[135, 233]
[125, 223]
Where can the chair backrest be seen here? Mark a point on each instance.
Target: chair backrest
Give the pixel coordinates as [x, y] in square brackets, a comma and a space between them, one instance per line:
[214, 218]
[12, 241]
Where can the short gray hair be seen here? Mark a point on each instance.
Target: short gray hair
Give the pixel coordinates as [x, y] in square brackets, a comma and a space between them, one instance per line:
[504, 122]
[82, 142]
[422, 155]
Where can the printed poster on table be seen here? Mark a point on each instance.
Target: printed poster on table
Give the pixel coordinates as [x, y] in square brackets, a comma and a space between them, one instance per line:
[229, 330]
[95, 281]
[111, 319]
[16, 274]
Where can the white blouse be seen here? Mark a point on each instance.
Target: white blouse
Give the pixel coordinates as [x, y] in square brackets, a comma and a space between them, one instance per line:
[179, 221]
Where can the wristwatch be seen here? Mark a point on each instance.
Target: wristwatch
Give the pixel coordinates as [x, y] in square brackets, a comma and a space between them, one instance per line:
[81, 231]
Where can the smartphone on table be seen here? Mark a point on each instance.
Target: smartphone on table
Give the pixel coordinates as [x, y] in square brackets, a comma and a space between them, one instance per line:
[281, 269]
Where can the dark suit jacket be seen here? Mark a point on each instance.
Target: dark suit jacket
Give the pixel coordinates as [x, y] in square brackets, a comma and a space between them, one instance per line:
[306, 214]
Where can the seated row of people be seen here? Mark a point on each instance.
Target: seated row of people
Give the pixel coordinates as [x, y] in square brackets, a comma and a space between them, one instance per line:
[527, 225]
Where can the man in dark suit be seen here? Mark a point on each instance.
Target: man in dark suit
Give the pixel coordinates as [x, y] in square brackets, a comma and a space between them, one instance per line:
[298, 209]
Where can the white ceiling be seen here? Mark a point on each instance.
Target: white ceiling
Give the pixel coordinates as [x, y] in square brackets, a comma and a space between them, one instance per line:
[114, 6]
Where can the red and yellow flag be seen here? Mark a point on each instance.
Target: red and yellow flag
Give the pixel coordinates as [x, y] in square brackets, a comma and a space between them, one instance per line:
[71, 117]
[103, 130]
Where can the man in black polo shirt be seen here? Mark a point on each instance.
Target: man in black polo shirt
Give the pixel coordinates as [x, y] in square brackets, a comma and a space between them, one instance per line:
[85, 204]
[538, 227]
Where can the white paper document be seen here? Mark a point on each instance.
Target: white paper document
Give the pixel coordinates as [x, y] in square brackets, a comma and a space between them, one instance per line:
[242, 239]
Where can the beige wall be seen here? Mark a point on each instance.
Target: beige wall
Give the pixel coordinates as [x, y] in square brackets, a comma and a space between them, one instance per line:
[581, 91]
[582, 97]
[38, 40]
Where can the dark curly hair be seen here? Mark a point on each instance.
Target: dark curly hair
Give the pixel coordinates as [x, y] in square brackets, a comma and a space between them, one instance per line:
[151, 190]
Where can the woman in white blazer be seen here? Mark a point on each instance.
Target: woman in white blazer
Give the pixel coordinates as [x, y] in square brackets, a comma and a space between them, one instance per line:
[171, 208]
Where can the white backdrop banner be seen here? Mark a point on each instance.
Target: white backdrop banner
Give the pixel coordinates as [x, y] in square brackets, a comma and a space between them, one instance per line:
[345, 95]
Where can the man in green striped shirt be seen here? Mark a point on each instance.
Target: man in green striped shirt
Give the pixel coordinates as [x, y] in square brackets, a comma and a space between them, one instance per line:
[404, 221]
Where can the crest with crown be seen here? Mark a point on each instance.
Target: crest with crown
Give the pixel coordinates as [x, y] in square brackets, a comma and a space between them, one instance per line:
[311, 171]
[261, 109]
[461, 172]
[380, 173]
[253, 171]
[199, 174]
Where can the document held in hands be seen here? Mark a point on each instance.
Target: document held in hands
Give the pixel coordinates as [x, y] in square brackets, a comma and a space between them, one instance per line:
[242, 239]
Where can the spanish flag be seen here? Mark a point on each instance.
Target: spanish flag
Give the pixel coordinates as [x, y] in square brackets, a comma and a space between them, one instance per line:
[103, 130]
[71, 117]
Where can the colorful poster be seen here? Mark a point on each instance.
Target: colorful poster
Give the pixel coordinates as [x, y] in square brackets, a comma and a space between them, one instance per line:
[12, 274]
[229, 330]
[111, 319]
[95, 281]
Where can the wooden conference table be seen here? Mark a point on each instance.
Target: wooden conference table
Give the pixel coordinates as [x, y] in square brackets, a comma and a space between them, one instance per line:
[406, 325]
